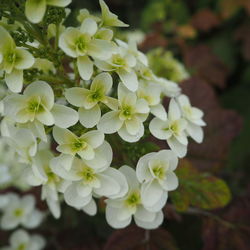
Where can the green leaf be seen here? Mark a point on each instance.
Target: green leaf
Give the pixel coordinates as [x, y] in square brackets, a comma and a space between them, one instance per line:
[198, 189]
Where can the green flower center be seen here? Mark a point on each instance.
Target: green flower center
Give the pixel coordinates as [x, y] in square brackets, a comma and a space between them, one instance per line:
[133, 199]
[22, 246]
[18, 212]
[10, 57]
[127, 112]
[174, 127]
[118, 60]
[82, 43]
[79, 145]
[159, 172]
[34, 106]
[87, 174]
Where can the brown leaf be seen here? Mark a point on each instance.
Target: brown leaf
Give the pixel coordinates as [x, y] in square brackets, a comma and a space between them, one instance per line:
[222, 126]
[243, 35]
[235, 233]
[134, 238]
[205, 20]
[206, 64]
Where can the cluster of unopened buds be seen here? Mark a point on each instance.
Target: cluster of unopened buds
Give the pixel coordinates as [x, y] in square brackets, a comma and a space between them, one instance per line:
[107, 93]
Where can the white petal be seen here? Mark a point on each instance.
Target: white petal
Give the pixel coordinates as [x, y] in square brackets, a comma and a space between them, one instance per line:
[9, 222]
[110, 122]
[129, 79]
[90, 208]
[159, 129]
[83, 190]
[144, 215]
[133, 125]
[24, 59]
[169, 157]
[73, 199]
[94, 138]
[85, 67]
[142, 170]
[34, 219]
[104, 81]
[151, 193]
[123, 133]
[67, 41]
[108, 186]
[14, 80]
[151, 225]
[59, 3]
[142, 106]
[63, 136]
[130, 176]
[171, 181]
[174, 112]
[43, 90]
[64, 116]
[54, 207]
[77, 96]
[177, 147]
[89, 26]
[100, 49]
[35, 10]
[120, 178]
[46, 118]
[90, 117]
[112, 218]
[103, 157]
[196, 132]
[160, 204]
[159, 111]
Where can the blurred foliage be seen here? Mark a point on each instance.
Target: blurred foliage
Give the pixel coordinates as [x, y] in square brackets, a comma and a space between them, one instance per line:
[201, 190]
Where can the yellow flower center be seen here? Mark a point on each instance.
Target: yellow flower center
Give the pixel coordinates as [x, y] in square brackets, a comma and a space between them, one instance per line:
[133, 199]
[159, 171]
[18, 212]
[87, 174]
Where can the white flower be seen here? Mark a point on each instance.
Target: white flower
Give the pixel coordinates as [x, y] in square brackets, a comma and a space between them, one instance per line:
[172, 129]
[20, 211]
[81, 43]
[169, 88]
[21, 240]
[108, 18]
[24, 143]
[193, 117]
[88, 180]
[13, 61]
[119, 211]
[84, 13]
[131, 48]
[88, 99]
[83, 145]
[35, 9]
[41, 174]
[152, 95]
[128, 119]
[122, 63]
[37, 106]
[155, 172]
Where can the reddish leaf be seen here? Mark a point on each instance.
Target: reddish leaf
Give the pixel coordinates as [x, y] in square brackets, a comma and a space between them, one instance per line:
[205, 20]
[234, 232]
[243, 35]
[134, 238]
[206, 65]
[222, 126]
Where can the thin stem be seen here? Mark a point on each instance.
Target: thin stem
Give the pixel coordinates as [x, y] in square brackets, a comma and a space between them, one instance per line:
[211, 215]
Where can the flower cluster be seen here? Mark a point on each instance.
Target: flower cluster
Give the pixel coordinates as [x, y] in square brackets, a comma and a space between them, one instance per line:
[20, 211]
[86, 94]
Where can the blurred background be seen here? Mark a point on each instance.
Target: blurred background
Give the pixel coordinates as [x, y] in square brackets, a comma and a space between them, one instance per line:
[205, 46]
